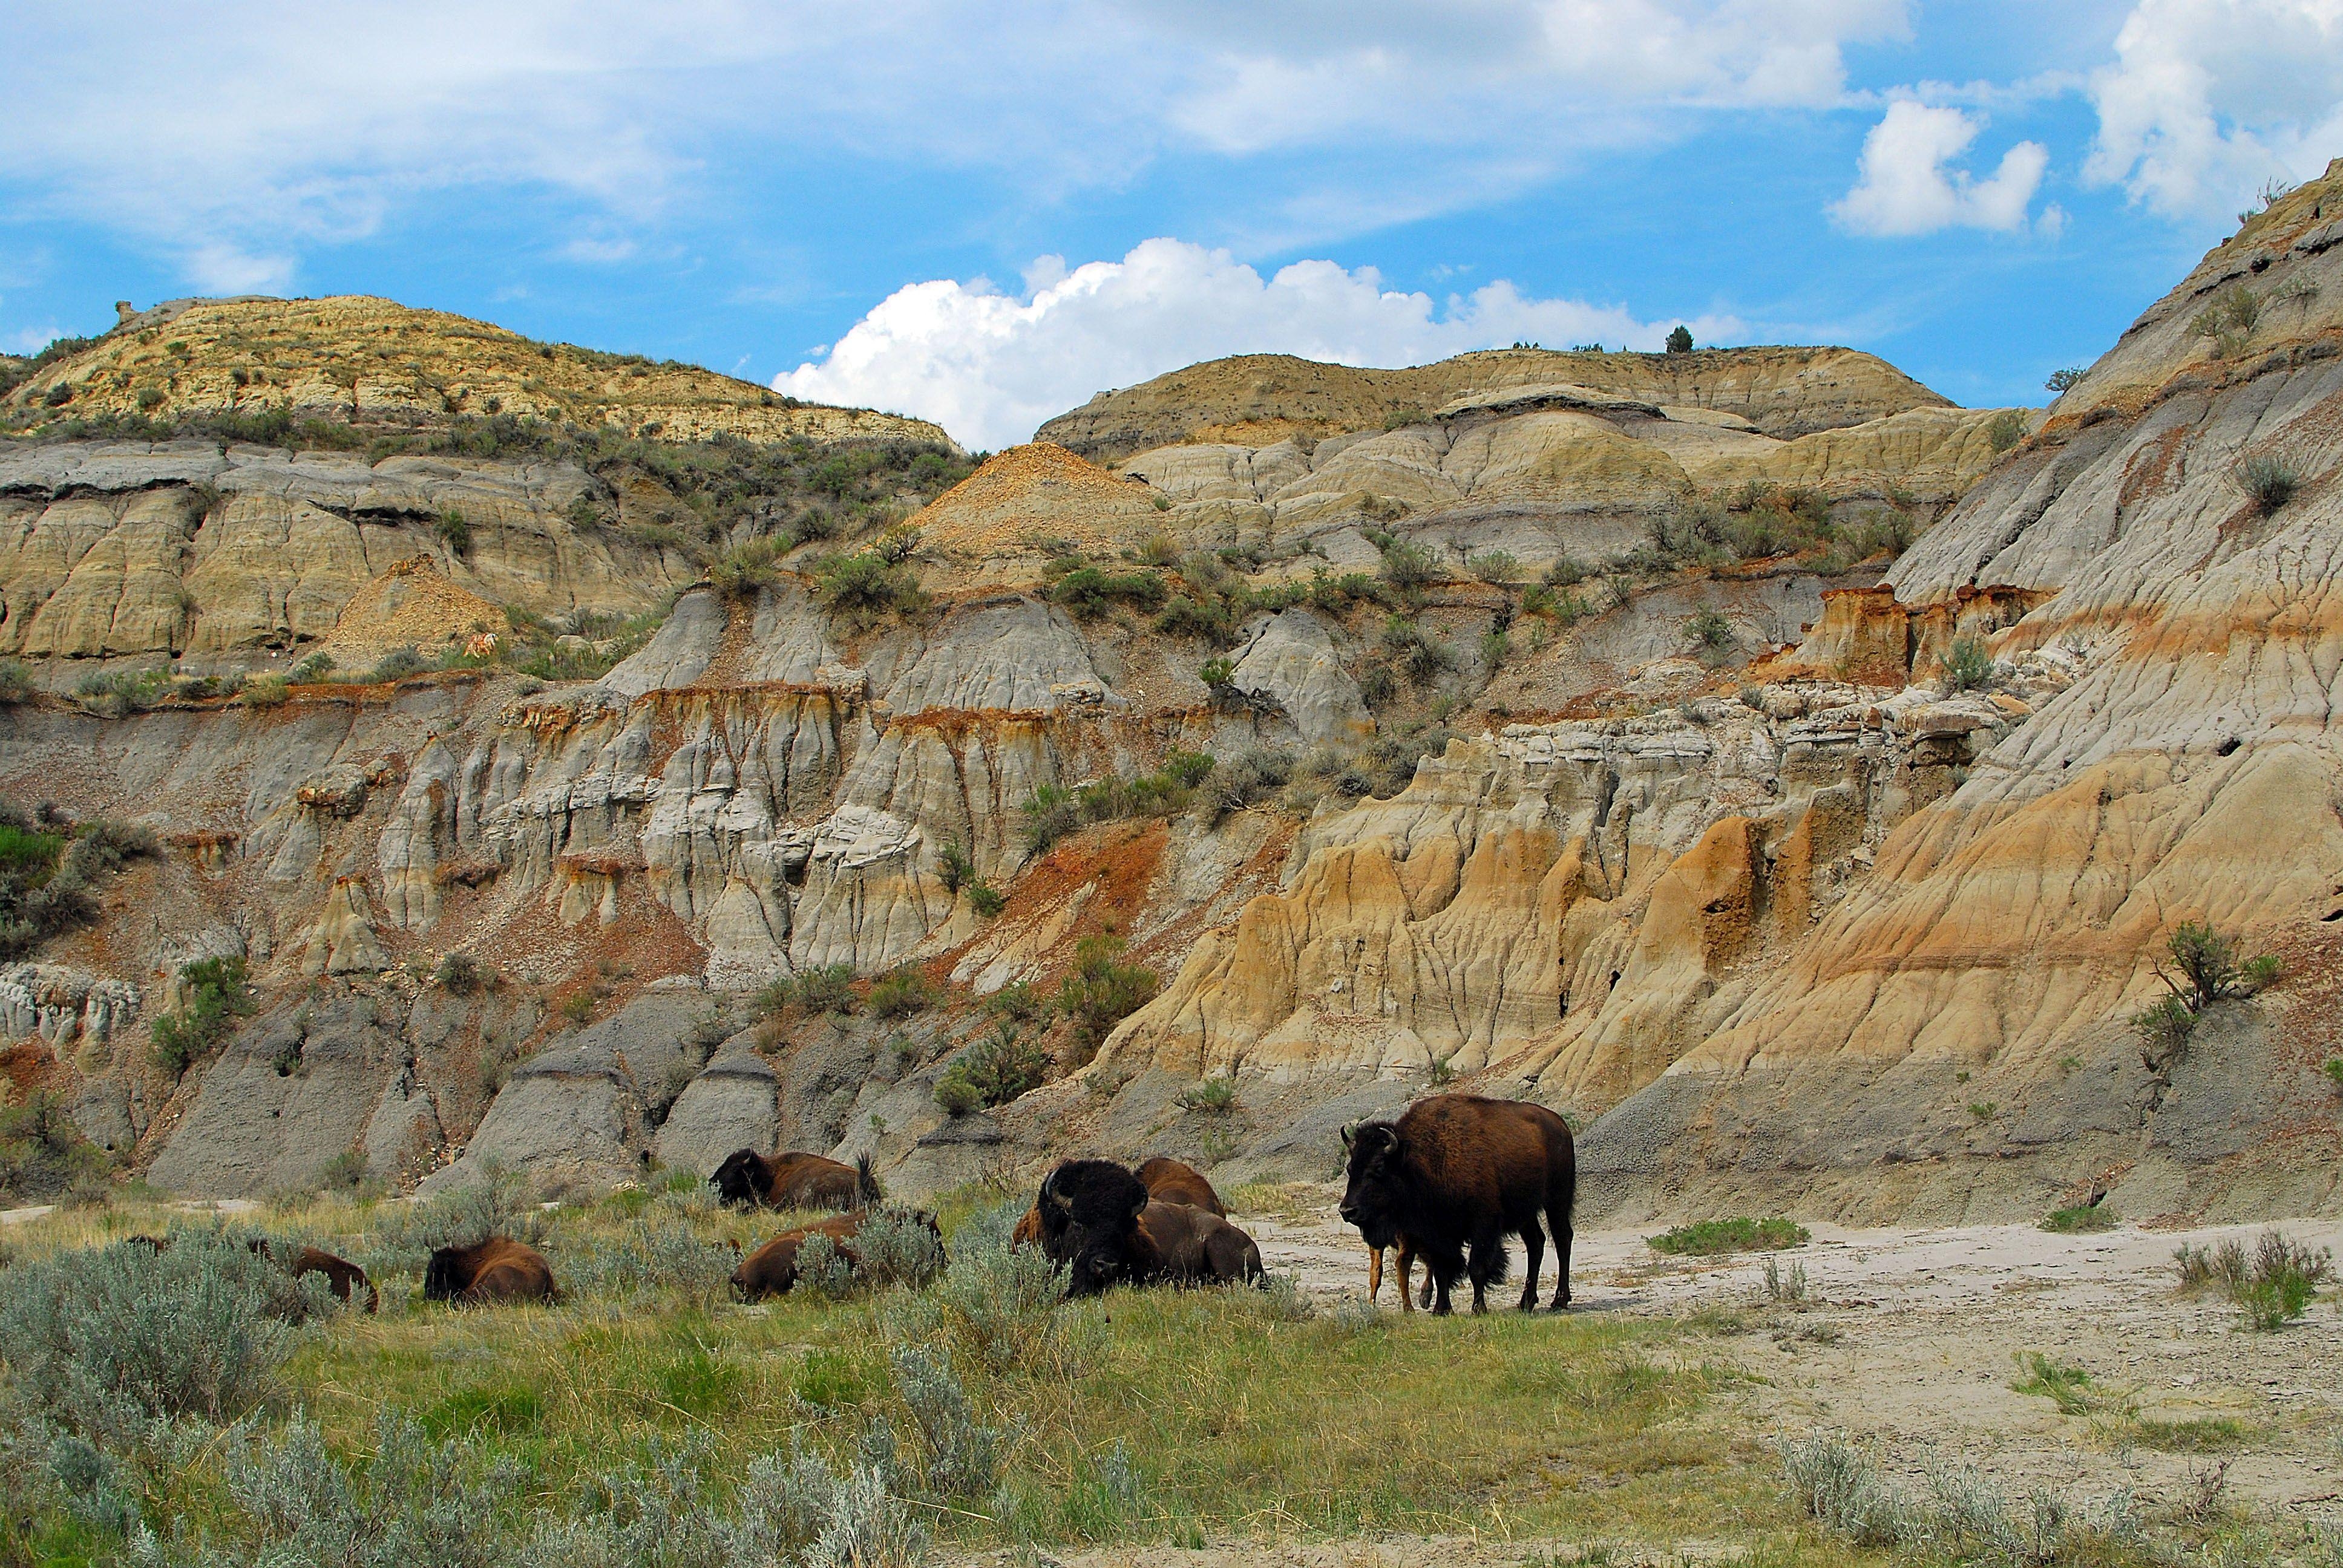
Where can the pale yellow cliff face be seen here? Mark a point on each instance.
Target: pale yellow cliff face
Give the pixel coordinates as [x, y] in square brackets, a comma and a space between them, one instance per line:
[374, 361]
[1801, 921]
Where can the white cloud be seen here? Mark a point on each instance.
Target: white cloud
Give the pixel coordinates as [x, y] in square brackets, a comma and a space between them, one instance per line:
[2206, 99]
[264, 129]
[989, 367]
[1905, 184]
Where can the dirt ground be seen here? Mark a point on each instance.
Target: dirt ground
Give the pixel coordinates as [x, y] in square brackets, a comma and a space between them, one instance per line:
[1911, 1340]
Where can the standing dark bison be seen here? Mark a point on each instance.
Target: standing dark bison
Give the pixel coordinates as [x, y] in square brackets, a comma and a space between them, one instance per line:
[1100, 1221]
[498, 1270]
[1458, 1171]
[794, 1180]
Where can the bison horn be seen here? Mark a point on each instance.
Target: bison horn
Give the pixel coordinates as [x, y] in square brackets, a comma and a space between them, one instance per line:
[1051, 1196]
[1350, 1133]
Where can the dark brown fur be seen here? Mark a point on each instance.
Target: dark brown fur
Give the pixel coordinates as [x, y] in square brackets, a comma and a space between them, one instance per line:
[1164, 1177]
[1459, 1173]
[794, 1180]
[772, 1269]
[1171, 1181]
[498, 1270]
[344, 1278]
[1176, 1244]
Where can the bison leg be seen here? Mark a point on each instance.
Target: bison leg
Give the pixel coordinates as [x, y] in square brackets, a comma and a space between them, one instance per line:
[1560, 1220]
[1406, 1278]
[1487, 1266]
[1532, 1243]
[1375, 1274]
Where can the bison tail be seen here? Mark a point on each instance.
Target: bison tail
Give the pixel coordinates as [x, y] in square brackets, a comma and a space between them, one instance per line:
[867, 1194]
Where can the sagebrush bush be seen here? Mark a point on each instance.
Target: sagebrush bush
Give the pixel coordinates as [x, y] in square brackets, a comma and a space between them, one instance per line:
[2268, 481]
[896, 1247]
[103, 1341]
[16, 682]
[995, 1302]
[654, 1255]
[412, 1501]
[1967, 665]
[993, 1072]
[962, 1458]
[1102, 992]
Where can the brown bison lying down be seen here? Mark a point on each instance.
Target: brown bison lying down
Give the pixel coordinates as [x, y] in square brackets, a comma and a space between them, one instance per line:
[1165, 1179]
[1098, 1220]
[344, 1278]
[772, 1269]
[1458, 1171]
[794, 1180]
[498, 1270]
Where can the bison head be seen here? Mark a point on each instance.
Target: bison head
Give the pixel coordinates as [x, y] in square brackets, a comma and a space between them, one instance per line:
[1090, 1211]
[442, 1277]
[1376, 1193]
[743, 1179]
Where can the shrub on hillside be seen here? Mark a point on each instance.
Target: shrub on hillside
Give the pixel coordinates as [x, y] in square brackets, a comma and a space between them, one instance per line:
[2268, 481]
[2204, 967]
[217, 995]
[1967, 665]
[1102, 991]
[1680, 341]
[16, 682]
[995, 1070]
[864, 587]
[51, 869]
[900, 993]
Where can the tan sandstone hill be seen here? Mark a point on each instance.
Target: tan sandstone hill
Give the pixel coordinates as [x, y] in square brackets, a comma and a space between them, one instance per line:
[1695, 841]
[1258, 399]
[373, 361]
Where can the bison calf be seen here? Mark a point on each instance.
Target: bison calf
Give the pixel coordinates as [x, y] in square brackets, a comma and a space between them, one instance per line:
[498, 1270]
[1459, 1171]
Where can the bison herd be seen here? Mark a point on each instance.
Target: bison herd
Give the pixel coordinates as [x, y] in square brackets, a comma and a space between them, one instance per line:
[1445, 1182]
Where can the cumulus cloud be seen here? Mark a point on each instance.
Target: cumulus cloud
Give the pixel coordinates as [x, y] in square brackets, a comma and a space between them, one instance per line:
[988, 365]
[2208, 99]
[1905, 184]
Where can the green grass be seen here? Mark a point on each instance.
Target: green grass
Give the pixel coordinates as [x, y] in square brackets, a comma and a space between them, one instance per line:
[2080, 1219]
[2069, 1388]
[1235, 1417]
[1704, 1238]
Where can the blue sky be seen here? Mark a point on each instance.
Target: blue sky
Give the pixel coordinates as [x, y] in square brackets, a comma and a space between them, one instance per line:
[984, 214]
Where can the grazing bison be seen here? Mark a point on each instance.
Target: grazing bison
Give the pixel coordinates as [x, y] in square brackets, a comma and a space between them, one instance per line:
[1458, 1171]
[1098, 1220]
[498, 1270]
[772, 1269]
[1170, 1182]
[344, 1278]
[794, 1180]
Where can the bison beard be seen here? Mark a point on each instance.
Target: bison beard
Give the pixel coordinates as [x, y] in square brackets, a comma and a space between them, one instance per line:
[1104, 1224]
[1460, 1172]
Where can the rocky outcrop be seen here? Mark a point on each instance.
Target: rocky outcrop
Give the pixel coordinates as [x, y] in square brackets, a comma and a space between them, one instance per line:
[1750, 867]
[1782, 392]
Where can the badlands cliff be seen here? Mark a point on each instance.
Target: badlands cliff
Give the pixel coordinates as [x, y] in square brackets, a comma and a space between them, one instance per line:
[1582, 729]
